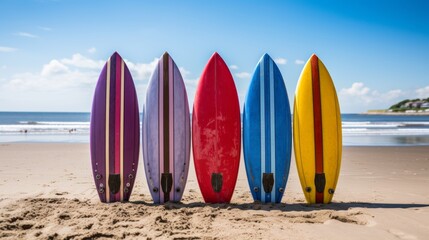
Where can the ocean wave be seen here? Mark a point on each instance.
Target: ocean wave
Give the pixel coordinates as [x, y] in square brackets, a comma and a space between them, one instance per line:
[35, 128]
[386, 132]
[372, 125]
[52, 123]
[349, 128]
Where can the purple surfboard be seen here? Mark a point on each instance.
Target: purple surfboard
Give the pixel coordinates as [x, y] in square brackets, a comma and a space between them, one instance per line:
[114, 132]
[166, 133]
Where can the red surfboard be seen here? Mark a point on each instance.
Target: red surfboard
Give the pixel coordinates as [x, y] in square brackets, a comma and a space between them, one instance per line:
[216, 132]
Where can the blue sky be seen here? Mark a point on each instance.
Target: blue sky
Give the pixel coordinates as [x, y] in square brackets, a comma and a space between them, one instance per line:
[51, 52]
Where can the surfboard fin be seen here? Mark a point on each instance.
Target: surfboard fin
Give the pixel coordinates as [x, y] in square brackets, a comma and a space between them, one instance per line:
[268, 182]
[114, 183]
[217, 181]
[320, 181]
[166, 182]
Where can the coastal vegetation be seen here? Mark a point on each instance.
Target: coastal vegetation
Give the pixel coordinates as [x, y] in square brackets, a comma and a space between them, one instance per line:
[410, 105]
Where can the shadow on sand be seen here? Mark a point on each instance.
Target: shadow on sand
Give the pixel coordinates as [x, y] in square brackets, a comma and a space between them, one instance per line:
[285, 207]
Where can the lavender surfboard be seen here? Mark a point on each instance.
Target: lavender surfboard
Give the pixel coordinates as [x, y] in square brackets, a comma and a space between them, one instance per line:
[114, 132]
[166, 133]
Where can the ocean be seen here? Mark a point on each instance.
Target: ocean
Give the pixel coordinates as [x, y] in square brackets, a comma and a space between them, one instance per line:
[385, 130]
[358, 129]
[44, 127]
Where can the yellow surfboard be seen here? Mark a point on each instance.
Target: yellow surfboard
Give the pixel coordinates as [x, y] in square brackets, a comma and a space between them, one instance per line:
[317, 132]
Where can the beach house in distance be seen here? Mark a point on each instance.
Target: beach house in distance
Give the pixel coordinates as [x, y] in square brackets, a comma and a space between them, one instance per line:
[410, 106]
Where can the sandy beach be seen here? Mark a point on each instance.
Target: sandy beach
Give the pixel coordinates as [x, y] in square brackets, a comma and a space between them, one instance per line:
[47, 192]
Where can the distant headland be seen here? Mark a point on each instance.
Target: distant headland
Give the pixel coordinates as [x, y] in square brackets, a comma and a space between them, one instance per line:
[406, 107]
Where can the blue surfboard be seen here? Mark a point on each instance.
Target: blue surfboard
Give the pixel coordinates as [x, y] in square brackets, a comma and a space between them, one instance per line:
[267, 133]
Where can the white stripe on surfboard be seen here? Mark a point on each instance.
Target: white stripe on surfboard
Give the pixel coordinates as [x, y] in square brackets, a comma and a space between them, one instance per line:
[262, 111]
[272, 132]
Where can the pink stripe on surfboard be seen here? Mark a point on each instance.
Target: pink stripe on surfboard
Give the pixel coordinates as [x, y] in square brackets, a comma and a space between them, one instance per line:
[118, 119]
[161, 126]
[171, 121]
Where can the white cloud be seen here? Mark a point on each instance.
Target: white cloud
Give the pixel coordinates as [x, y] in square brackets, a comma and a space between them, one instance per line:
[74, 72]
[191, 88]
[80, 61]
[45, 28]
[51, 81]
[299, 62]
[77, 71]
[92, 50]
[359, 92]
[63, 92]
[233, 67]
[357, 89]
[71, 82]
[189, 82]
[423, 92]
[185, 73]
[360, 98]
[54, 67]
[26, 34]
[243, 75]
[142, 71]
[7, 49]
[280, 61]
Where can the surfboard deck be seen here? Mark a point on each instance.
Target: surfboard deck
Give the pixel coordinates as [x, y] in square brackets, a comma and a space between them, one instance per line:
[317, 132]
[216, 132]
[166, 133]
[267, 133]
[114, 132]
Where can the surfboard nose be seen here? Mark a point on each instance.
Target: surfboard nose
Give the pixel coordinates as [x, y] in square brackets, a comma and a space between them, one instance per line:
[216, 57]
[266, 58]
[313, 56]
[115, 54]
[166, 54]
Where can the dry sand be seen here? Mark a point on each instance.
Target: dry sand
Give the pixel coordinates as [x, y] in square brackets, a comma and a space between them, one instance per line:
[47, 192]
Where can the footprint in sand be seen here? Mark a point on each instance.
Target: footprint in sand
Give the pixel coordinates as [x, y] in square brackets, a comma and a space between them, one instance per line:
[401, 235]
[61, 193]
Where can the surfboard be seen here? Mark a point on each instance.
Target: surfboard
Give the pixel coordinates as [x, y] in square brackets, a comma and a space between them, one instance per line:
[166, 133]
[114, 132]
[216, 132]
[317, 132]
[267, 133]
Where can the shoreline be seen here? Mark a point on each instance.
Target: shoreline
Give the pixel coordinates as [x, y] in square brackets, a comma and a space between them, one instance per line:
[345, 145]
[396, 113]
